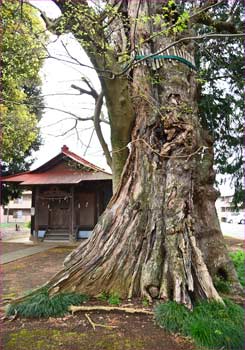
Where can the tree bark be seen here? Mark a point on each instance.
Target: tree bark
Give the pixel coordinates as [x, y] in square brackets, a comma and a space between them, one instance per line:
[159, 236]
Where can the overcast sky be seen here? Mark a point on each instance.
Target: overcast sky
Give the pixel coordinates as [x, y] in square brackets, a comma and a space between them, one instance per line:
[57, 77]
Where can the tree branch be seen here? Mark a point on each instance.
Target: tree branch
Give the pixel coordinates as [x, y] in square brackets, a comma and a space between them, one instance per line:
[97, 112]
[202, 17]
[232, 11]
[130, 310]
[201, 37]
[83, 91]
[208, 5]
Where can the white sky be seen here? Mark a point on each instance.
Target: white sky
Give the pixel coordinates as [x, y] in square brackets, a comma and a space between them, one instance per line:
[57, 77]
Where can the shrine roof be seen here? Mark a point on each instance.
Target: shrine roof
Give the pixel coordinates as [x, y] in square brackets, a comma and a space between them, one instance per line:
[59, 170]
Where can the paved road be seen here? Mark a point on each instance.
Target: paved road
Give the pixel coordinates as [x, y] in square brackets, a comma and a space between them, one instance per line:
[233, 230]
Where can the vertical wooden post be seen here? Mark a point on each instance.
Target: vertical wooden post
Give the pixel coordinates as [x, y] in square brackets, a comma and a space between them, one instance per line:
[71, 233]
[35, 236]
[32, 216]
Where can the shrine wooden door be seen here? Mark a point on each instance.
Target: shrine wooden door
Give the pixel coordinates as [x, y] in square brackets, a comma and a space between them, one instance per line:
[86, 213]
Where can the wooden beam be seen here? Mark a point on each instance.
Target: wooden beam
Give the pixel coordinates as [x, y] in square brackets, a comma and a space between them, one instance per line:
[32, 206]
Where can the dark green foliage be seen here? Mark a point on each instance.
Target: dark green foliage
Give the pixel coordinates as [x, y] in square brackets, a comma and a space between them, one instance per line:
[42, 305]
[210, 324]
[221, 69]
[238, 259]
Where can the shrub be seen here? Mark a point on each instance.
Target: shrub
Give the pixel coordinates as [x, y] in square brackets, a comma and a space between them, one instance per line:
[210, 324]
[42, 305]
[238, 260]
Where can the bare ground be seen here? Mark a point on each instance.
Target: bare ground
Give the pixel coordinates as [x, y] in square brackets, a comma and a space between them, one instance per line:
[132, 332]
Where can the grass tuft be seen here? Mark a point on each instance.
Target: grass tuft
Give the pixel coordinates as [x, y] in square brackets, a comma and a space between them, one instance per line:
[42, 305]
[238, 260]
[210, 324]
[114, 299]
[171, 316]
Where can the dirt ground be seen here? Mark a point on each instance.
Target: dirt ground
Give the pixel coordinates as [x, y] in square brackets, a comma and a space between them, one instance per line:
[132, 332]
[8, 247]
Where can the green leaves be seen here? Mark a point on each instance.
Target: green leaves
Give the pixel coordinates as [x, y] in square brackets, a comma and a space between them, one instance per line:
[210, 324]
[21, 105]
[21, 61]
[42, 305]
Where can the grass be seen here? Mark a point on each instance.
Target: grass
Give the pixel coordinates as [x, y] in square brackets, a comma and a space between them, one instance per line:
[28, 224]
[10, 225]
[238, 260]
[210, 324]
[112, 299]
[42, 305]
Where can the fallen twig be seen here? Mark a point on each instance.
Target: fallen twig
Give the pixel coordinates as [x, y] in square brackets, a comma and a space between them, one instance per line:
[129, 310]
[94, 325]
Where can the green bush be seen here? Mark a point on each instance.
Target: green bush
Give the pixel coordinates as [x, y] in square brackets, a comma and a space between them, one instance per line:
[238, 260]
[42, 305]
[210, 324]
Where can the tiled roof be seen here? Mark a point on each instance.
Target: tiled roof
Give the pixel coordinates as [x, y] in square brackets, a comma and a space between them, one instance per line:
[49, 174]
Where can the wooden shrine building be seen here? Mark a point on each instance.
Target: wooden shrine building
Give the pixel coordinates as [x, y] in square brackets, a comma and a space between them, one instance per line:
[68, 196]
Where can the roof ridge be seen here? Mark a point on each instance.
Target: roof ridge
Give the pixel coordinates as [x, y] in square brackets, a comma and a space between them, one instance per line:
[83, 161]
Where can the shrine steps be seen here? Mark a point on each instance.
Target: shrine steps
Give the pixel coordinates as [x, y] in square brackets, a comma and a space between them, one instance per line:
[56, 235]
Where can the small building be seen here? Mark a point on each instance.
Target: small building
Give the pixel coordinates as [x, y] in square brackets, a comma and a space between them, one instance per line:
[18, 210]
[226, 210]
[68, 196]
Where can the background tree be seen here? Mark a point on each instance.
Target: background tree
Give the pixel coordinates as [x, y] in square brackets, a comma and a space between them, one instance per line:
[221, 67]
[21, 102]
[159, 236]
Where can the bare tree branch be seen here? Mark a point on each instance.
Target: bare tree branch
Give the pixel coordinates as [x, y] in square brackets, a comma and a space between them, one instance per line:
[69, 130]
[82, 91]
[88, 145]
[97, 112]
[232, 11]
[208, 5]
[70, 113]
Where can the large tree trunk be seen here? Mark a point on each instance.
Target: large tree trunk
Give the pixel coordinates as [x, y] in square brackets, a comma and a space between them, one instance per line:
[159, 236]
